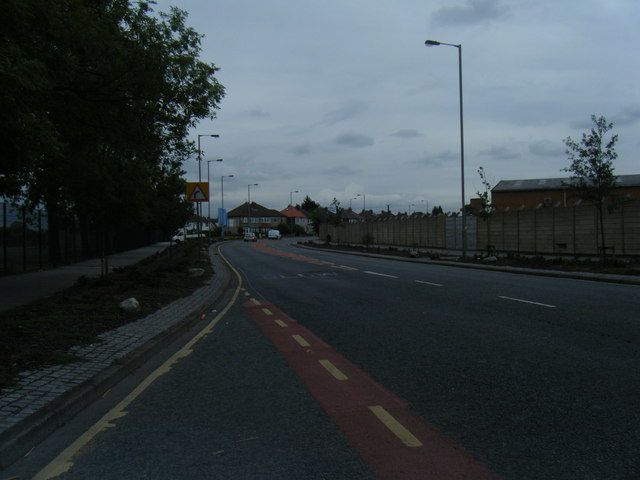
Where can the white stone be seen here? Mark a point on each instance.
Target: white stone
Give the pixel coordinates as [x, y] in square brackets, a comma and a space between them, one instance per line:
[130, 305]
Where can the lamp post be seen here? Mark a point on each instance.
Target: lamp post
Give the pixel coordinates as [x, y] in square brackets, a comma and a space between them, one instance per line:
[224, 226]
[433, 43]
[208, 187]
[364, 201]
[199, 206]
[222, 177]
[249, 201]
[291, 197]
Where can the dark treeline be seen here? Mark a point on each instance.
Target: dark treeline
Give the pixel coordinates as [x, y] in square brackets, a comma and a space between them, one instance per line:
[96, 99]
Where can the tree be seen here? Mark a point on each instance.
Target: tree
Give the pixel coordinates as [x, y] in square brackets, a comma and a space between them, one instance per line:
[592, 169]
[485, 200]
[309, 205]
[96, 101]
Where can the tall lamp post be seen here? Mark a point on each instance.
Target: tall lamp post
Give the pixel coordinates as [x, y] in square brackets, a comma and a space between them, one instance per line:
[364, 202]
[199, 206]
[209, 187]
[433, 43]
[291, 197]
[224, 226]
[249, 201]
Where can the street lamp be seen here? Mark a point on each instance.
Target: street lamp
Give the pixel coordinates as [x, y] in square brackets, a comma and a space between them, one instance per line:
[433, 43]
[208, 186]
[224, 225]
[215, 135]
[364, 201]
[291, 197]
[198, 205]
[249, 200]
[222, 177]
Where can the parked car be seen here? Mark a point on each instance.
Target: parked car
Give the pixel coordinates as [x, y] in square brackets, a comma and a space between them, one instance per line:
[250, 237]
[274, 235]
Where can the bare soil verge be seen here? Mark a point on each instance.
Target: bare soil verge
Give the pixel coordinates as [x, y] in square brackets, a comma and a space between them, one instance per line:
[42, 332]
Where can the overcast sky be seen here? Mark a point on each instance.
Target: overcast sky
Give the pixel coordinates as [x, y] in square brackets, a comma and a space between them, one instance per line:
[336, 98]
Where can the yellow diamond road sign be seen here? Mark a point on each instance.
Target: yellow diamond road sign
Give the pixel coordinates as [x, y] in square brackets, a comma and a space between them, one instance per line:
[198, 191]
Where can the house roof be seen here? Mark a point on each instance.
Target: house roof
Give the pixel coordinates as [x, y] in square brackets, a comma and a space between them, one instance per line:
[293, 212]
[349, 214]
[256, 210]
[555, 183]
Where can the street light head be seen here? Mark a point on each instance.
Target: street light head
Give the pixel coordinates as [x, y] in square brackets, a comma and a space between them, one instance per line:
[229, 175]
[431, 43]
[218, 159]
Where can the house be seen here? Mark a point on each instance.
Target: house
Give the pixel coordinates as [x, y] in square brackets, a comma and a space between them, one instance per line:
[254, 218]
[551, 192]
[349, 216]
[296, 216]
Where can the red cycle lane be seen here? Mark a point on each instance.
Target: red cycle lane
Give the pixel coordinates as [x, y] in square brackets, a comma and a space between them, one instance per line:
[395, 443]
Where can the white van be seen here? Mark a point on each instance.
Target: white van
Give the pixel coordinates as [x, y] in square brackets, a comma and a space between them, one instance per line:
[274, 235]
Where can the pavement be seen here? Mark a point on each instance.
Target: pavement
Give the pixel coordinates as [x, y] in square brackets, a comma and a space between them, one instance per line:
[45, 399]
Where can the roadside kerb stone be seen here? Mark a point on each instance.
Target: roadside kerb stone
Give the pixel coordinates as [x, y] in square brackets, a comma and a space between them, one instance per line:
[598, 277]
[44, 399]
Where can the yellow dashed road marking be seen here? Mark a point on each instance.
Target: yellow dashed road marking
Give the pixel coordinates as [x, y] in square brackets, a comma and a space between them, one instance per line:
[333, 370]
[267, 311]
[396, 427]
[301, 341]
[281, 323]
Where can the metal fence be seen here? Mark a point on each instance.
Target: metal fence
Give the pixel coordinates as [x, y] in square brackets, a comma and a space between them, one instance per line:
[24, 240]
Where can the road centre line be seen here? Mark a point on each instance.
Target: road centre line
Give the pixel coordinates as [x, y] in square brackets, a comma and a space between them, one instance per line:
[281, 323]
[266, 311]
[380, 274]
[527, 301]
[429, 283]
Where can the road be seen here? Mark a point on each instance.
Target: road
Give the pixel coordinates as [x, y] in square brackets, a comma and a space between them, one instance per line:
[530, 377]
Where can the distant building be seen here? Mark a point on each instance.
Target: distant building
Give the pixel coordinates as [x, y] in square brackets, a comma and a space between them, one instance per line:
[551, 192]
[254, 218]
[296, 216]
[350, 216]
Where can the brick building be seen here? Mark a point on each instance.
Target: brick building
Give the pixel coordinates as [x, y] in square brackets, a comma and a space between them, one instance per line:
[551, 192]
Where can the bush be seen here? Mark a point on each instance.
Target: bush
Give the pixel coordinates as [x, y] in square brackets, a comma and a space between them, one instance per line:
[284, 228]
[298, 230]
[367, 239]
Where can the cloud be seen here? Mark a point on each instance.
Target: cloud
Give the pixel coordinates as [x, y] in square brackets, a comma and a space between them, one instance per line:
[347, 111]
[407, 133]
[256, 112]
[471, 12]
[438, 159]
[628, 116]
[304, 149]
[355, 140]
[341, 171]
[546, 148]
[498, 153]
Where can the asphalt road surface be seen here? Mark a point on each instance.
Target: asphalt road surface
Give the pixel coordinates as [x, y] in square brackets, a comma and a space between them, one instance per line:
[521, 377]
